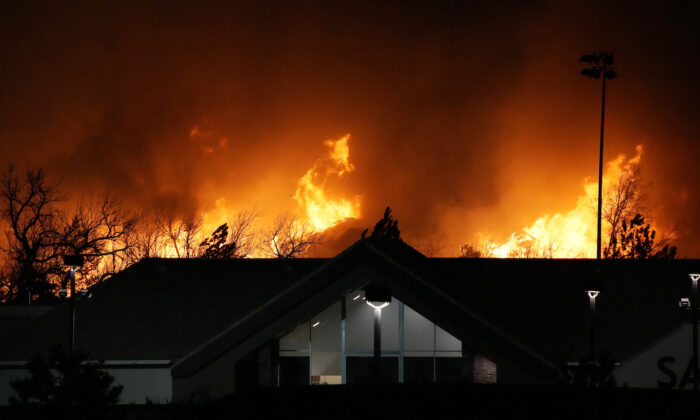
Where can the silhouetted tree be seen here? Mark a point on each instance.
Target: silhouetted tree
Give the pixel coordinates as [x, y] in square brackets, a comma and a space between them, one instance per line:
[181, 232]
[65, 379]
[635, 240]
[40, 232]
[238, 244]
[386, 228]
[469, 251]
[29, 208]
[288, 237]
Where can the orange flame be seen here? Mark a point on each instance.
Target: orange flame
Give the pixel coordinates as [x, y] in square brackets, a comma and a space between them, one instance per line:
[569, 235]
[323, 212]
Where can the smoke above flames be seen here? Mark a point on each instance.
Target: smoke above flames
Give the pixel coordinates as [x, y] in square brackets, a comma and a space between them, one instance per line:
[464, 119]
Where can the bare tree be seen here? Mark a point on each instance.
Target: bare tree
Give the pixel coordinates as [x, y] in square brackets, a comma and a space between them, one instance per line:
[40, 233]
[469, 251]
[181, 232]
[288, 238]
[238, 241]
[98, 230]
[625, 197]
[28, 205]
[144, 242]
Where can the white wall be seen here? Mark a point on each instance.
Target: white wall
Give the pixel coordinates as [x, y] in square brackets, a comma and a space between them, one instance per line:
[7, 375]
[156, 384]
[664, 364]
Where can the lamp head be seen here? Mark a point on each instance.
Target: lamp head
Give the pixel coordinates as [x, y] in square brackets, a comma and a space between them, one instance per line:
[377, 297]
[593, 293]
[73, 260]
[694, 277]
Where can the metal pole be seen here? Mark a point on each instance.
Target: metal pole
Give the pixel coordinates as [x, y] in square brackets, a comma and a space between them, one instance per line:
[695, 335]
[401, 342]
[600, 167]
[72, 310]
[343, 341]
[592, 359]
[377, 345]
[592, 349]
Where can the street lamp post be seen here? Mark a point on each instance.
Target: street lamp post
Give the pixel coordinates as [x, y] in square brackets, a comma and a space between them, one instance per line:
[694, 309]
[74, 262]
[378, 298]
[592, 294]
[601, 65]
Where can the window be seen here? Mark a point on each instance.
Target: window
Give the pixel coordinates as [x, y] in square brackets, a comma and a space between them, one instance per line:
[330, 349]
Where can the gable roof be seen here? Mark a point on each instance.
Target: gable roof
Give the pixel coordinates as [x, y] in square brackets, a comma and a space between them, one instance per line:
[334, 279]
[158, 309]
[535, 311]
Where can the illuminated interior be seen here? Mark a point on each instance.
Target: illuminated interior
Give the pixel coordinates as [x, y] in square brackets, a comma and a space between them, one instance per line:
[334, 349]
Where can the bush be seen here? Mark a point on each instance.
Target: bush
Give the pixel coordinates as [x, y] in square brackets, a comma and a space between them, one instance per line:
[66, 380]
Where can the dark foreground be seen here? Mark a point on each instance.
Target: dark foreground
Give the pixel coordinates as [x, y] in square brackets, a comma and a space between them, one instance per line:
[395, 401]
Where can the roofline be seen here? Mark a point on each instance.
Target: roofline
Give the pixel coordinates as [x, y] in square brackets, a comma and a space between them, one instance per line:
[188, 364]
[262, 307]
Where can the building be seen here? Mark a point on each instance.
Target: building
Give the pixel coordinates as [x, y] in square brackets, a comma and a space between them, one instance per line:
[178, 329]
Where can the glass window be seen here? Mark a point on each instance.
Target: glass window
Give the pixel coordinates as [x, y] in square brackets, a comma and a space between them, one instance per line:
[419, 334]
[446, 344]
[296, 343]
[360, 325]
[325, 346]
[429, 352]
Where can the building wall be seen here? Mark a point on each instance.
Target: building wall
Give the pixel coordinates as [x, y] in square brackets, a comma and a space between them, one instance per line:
[665, 364]
[212, 381]
[7, 375]
[143, 384]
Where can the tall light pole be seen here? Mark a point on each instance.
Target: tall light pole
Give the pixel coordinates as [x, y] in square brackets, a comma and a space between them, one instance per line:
[74, 262]
[378, 298]
[694, 277]
[592, 294]
[601, 66]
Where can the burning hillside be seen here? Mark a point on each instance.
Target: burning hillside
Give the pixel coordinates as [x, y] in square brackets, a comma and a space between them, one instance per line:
[573, 234]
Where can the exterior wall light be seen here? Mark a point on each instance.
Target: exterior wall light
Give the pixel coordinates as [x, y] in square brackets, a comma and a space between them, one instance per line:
[694, 305]
[377, 297]
[593, 293]
[378, 305]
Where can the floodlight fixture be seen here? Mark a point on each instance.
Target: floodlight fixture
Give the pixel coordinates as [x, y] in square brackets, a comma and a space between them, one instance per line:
[73, 260]
[378, 305]
[694, 277]
[684, 303]
[378, 297]
[593, 293]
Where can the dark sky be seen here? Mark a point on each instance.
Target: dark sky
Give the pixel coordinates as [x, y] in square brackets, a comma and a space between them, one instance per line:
[465, 117]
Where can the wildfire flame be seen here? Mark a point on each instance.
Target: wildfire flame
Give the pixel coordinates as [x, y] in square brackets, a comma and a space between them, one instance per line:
[564, 235]
[323, 212]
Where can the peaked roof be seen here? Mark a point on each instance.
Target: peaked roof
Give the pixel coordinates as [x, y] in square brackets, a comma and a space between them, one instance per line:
[335, 279]
[159, 309]
[191, 310]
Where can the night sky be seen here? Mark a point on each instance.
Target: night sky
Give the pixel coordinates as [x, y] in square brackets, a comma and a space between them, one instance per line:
[465, 117]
